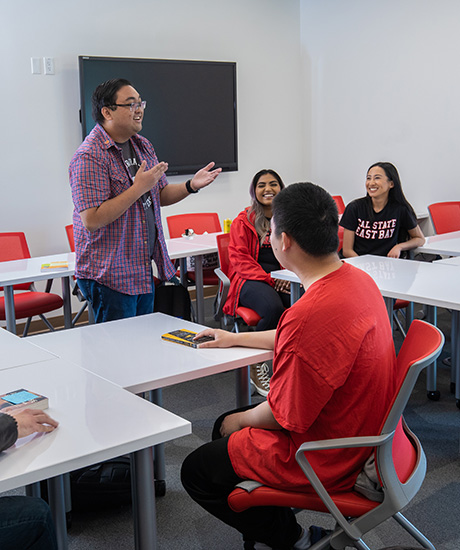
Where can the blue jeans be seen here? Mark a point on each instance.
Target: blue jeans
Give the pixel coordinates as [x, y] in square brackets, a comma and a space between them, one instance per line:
[109, 305]
[25, 522]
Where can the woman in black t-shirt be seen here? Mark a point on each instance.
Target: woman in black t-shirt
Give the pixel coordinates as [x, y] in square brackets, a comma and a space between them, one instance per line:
[383, 222]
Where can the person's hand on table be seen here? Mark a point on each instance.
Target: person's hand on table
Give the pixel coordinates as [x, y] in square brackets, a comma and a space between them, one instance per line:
[222, 338]
[395, 252]
[282, 286]
[30, 421]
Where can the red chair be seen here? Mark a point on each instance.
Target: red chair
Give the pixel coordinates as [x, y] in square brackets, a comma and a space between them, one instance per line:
[340, 204]
[341, 208]
[399, 460]
[200, 223]
[249, 316]
[75, 290]
[28, 302]
[445, 216]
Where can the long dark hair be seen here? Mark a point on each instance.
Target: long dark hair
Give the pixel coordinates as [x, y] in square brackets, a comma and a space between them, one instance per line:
[395, 195]
[261, 223]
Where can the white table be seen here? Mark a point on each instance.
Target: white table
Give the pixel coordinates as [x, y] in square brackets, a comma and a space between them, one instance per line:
[15, 352]
[29, 270]
[98, 421]
[447, 244]
[455, 260]
[131, 353]
[434, 284]
[183, 247]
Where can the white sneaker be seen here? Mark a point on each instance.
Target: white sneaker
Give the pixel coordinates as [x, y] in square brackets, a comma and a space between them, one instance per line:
[260, 378]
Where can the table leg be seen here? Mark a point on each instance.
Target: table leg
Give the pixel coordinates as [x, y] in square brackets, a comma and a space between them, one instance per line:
[33, 490]
[199, 289]
[409, 315]
[295, 292]
[431, 371]
[57, 504]
[65, 284]
[455, 338]
[9, 309]
[389, 305]
[243, 387]
[183, 271]
[156, 396]
[143, 490]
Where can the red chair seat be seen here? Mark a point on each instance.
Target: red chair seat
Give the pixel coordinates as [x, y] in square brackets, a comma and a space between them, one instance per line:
[248, 315]
[28, 304]
[209, 277]
[401, 304]
[350, 504]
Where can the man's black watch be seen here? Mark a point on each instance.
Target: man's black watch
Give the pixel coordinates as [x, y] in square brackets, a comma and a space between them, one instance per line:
[188, 186]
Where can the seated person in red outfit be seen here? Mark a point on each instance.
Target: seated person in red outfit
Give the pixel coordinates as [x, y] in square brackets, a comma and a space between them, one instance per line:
[251, 261]
[333, 352]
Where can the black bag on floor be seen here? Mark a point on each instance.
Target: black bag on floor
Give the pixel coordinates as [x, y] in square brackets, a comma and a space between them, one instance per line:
[173, 300]
[102, 485]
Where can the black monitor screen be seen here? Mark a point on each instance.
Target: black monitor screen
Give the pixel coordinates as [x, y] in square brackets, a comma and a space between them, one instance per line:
[191, 107]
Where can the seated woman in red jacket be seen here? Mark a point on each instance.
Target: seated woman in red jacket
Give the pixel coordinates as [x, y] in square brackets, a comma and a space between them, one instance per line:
[251, 261]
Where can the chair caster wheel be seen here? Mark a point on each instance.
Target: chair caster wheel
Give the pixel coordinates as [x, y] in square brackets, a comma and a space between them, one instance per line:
[160, 487]
[434, 395]
[452, 387]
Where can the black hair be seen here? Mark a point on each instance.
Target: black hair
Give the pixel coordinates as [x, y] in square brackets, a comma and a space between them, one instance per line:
[105, 95]
[396, 193]
[261, 223]
[308, 214]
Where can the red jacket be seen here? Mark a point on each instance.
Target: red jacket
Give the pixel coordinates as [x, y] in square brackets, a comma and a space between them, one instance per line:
[243, 255]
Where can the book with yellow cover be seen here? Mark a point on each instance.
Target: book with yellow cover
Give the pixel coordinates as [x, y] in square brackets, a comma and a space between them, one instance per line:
[185, 337]
[22, 399]
[52, 266]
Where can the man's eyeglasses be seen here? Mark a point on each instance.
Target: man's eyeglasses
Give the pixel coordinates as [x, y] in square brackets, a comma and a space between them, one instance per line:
[132, 106]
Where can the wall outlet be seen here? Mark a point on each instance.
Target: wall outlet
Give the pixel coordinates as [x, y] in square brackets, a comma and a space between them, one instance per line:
[48, 63]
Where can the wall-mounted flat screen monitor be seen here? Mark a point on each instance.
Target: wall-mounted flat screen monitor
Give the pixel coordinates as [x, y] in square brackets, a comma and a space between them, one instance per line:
[191, 107]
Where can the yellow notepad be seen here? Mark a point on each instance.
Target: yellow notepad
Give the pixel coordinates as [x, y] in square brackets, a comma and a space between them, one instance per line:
[185, 337]
[54, 265]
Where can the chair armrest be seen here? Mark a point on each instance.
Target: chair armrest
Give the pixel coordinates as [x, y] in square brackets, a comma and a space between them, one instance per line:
[348, 442]
[222, 293]
[344, 443]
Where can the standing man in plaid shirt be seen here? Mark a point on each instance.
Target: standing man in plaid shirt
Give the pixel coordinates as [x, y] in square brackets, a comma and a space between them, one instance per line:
[118, 186]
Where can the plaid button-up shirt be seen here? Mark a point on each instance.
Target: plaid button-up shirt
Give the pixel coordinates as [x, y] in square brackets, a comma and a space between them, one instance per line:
[116, 255]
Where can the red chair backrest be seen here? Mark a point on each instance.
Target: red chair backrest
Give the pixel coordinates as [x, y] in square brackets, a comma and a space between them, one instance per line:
[422, 340]
[69, 231]
[222, 247]
[340, 239]
[13, 246]
[445, 216]
[339, 202]
[199, 222]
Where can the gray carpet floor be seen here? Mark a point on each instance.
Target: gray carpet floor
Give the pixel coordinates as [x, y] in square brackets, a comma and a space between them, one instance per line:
[182, 525]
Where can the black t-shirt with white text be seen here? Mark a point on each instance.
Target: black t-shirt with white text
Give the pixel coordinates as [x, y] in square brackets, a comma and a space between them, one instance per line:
[132, 165]
[377, 232]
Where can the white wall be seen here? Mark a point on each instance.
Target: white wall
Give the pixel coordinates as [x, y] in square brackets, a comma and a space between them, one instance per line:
[39, 113]
[383, 79]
